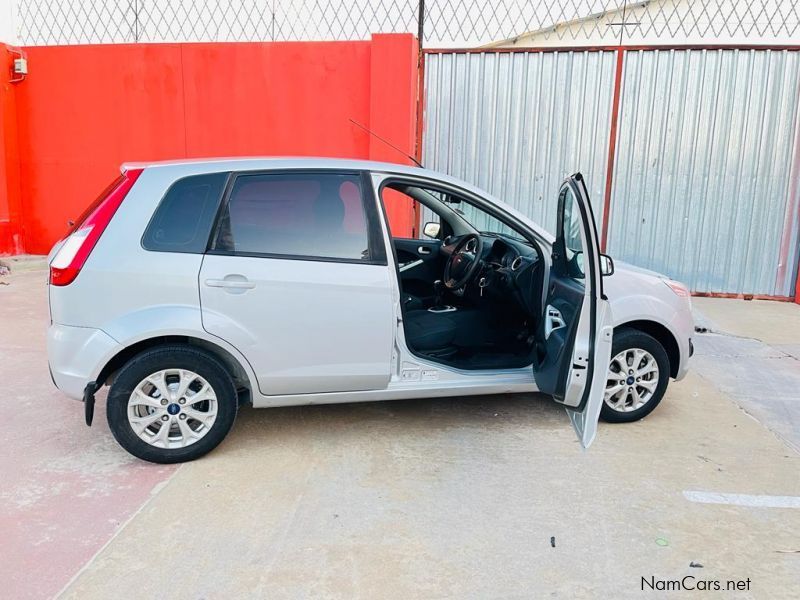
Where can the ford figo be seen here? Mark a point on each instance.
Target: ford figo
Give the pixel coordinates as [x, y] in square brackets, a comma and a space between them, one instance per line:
[193, 287]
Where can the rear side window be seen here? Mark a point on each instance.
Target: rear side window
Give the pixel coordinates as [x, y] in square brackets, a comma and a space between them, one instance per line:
[183, 220]
[300, 215]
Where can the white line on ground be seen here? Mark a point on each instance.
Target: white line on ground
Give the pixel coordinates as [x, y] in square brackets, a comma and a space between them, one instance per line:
[743, 499]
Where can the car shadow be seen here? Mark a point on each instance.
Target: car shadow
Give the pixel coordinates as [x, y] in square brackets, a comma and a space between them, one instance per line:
[395, 417]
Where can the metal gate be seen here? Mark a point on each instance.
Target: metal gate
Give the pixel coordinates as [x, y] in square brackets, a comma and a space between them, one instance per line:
[517, 123]
[705, 161]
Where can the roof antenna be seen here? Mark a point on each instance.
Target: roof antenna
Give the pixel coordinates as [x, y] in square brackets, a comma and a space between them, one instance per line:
[388, 143]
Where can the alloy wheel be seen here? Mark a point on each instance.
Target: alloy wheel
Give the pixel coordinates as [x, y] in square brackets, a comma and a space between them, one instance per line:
[632, 380]
[172, 408]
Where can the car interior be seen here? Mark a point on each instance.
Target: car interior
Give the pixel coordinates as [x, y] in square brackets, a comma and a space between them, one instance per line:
[471, 285]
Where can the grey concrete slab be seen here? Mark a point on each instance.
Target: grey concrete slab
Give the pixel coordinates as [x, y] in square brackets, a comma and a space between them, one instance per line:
[459, 498]
[790, 349]
[23, 263]
[769, 321]
[761, 374]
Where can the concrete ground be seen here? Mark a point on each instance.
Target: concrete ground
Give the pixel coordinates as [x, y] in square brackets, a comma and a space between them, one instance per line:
[751, 351]
[487, 497]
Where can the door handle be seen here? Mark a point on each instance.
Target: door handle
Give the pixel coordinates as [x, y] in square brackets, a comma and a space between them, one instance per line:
[423, 250]
[236, 284]
[552, 321]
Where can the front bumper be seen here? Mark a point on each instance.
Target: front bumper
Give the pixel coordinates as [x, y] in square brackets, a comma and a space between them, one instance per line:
[683, 327]
[76, 355]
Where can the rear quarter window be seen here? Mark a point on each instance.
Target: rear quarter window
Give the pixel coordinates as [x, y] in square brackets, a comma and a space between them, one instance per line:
[184, 217]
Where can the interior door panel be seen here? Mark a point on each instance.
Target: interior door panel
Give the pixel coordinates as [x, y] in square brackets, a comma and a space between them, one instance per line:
[554, 349]
[420, 263]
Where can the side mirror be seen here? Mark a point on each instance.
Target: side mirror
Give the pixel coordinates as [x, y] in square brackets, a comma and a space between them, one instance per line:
[606, 265]
[432, 229]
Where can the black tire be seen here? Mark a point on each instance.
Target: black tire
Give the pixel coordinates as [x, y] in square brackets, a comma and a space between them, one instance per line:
[171, 357]
[625, 339]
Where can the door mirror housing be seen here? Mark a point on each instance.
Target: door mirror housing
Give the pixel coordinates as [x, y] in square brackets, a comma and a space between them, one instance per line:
[606, 265]
[432, 229]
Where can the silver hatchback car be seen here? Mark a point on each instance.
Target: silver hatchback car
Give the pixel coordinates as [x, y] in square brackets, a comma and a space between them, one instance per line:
[193, 287]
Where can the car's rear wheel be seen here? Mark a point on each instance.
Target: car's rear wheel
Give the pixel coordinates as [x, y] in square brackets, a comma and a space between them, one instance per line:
[171, 404]
[637, 377]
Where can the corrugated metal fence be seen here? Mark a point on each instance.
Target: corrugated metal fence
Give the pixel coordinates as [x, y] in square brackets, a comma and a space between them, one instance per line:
[517, 123]
[704, 159]
[706, 151]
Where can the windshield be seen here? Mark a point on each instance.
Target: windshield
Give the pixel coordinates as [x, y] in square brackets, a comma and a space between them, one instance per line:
[485, 222]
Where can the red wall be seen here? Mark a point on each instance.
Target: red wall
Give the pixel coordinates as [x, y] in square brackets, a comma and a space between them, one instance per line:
[11, 238]
[83, 110]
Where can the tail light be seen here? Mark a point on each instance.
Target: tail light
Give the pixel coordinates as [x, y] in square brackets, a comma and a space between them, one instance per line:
[72, 255]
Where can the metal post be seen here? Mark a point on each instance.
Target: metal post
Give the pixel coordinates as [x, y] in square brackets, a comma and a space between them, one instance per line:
[272, 23]
[417, 218]
[136, 20]
[612, 147]
[420, 25]
[791, 218]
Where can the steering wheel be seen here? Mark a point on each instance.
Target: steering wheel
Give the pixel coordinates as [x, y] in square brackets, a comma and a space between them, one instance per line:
[463, 262]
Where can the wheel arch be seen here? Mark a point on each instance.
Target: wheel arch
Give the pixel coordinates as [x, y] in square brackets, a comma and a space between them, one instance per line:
[662, 335]
[233, 366]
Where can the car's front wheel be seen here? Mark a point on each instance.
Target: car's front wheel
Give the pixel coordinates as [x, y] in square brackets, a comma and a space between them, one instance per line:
[171, 404]
[637, 377]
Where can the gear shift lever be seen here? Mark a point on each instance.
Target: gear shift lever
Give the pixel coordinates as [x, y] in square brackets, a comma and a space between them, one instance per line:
[438, 303]
[438, 291]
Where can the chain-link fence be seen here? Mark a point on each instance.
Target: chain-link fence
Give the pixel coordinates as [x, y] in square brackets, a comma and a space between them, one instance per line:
[445, 22]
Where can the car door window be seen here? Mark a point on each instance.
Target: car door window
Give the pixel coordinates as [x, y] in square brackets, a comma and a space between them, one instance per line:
[571, 255]
[299, 215]
[403, 214]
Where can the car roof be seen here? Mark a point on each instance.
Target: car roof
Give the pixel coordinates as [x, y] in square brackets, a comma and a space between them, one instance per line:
[255, 163]
[288, 162]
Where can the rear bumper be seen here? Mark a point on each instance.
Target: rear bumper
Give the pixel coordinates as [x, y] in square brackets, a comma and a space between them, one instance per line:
[76, 355]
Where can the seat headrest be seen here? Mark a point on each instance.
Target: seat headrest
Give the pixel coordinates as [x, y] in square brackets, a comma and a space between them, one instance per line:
[329, 207]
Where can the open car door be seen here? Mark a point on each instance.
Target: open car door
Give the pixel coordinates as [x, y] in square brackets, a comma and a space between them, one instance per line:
[573, 340]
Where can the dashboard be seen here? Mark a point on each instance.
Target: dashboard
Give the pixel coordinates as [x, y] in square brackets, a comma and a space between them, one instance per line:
[511, 273]
[516, 273]
[506, 255]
